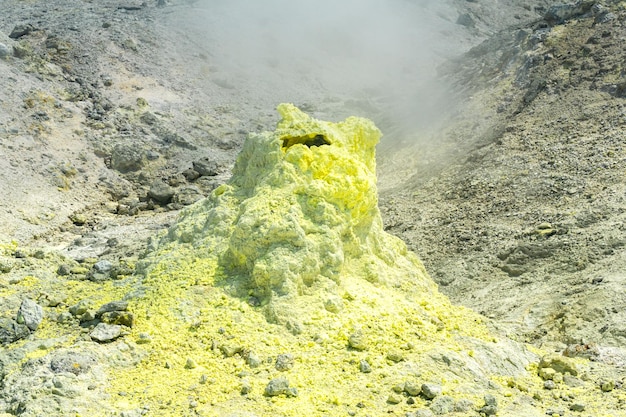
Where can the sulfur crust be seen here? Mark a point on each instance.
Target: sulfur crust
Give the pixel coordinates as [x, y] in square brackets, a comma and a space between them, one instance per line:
[290, 257]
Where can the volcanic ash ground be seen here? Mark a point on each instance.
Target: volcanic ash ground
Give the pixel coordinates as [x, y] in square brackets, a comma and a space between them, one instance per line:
[281, 294]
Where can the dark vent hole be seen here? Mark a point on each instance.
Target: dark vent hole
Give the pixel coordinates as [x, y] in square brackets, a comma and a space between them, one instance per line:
[317, 140]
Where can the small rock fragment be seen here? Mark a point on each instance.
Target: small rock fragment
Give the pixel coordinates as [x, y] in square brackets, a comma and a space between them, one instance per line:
[463, 405]
[230, 351]
[206, 167]
[280, 386]
[252, 360]
[607, 386]
[190, 364]
[65, 317]
[89, 315]
[161, 192]
[577, 407]
[333, 305]
[104, 333]
[443, 405]
[357, 340]
[491, 405]
[395, 356]
[80, 308]
[284, 362]
[21, 30]
[101, 271]
[124, 318]
[103, 266]
[365, 367]
[4, 51]
[11, 331]
[30, 314]
[112, 306]
[546, 373]
[549, 385]
[187, 195]
[144, 338]
[246, 388]
[394, 399]
[559, 363]
[430, 391]
[412, 388]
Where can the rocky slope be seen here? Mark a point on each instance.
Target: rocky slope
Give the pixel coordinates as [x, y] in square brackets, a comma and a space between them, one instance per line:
[523, 222]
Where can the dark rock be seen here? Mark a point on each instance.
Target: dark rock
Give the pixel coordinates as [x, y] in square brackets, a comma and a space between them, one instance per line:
[21, 30]
[124, 318]
[64, 269]
[126, 158]
[112, 306]
[560, 13]
[466, 20]
[11, 331]
[104, 332]
[206, 167]
[30, 314]
[161, 192]
[191, 174]
[187, 195]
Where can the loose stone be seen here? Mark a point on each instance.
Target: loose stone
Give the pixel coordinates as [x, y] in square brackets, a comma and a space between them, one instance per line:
[443, 405]
[124, 318]
[395, 356]
[10, 331]
[280, 386]
[394, 399]
[30, 314]
[190, 364]
[412, 388]
[577, 407]
[430, 391]
[112, 306]
[284, 362]
[549, 384]
[357, 341]
[104, 333]
[365, 367]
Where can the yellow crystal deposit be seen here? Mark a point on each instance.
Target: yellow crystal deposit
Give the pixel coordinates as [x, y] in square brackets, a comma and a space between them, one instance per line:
[289, 259]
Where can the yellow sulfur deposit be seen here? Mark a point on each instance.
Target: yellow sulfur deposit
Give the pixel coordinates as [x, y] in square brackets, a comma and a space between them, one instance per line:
[281, 295]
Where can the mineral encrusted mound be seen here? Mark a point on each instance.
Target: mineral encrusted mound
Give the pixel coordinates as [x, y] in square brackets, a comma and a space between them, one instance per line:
[299, 215]
[284, 277]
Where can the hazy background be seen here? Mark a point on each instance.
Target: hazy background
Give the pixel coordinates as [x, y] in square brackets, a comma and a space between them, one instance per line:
[379, 56]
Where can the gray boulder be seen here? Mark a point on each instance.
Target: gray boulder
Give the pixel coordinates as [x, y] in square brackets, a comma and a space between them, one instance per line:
[30, 314]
